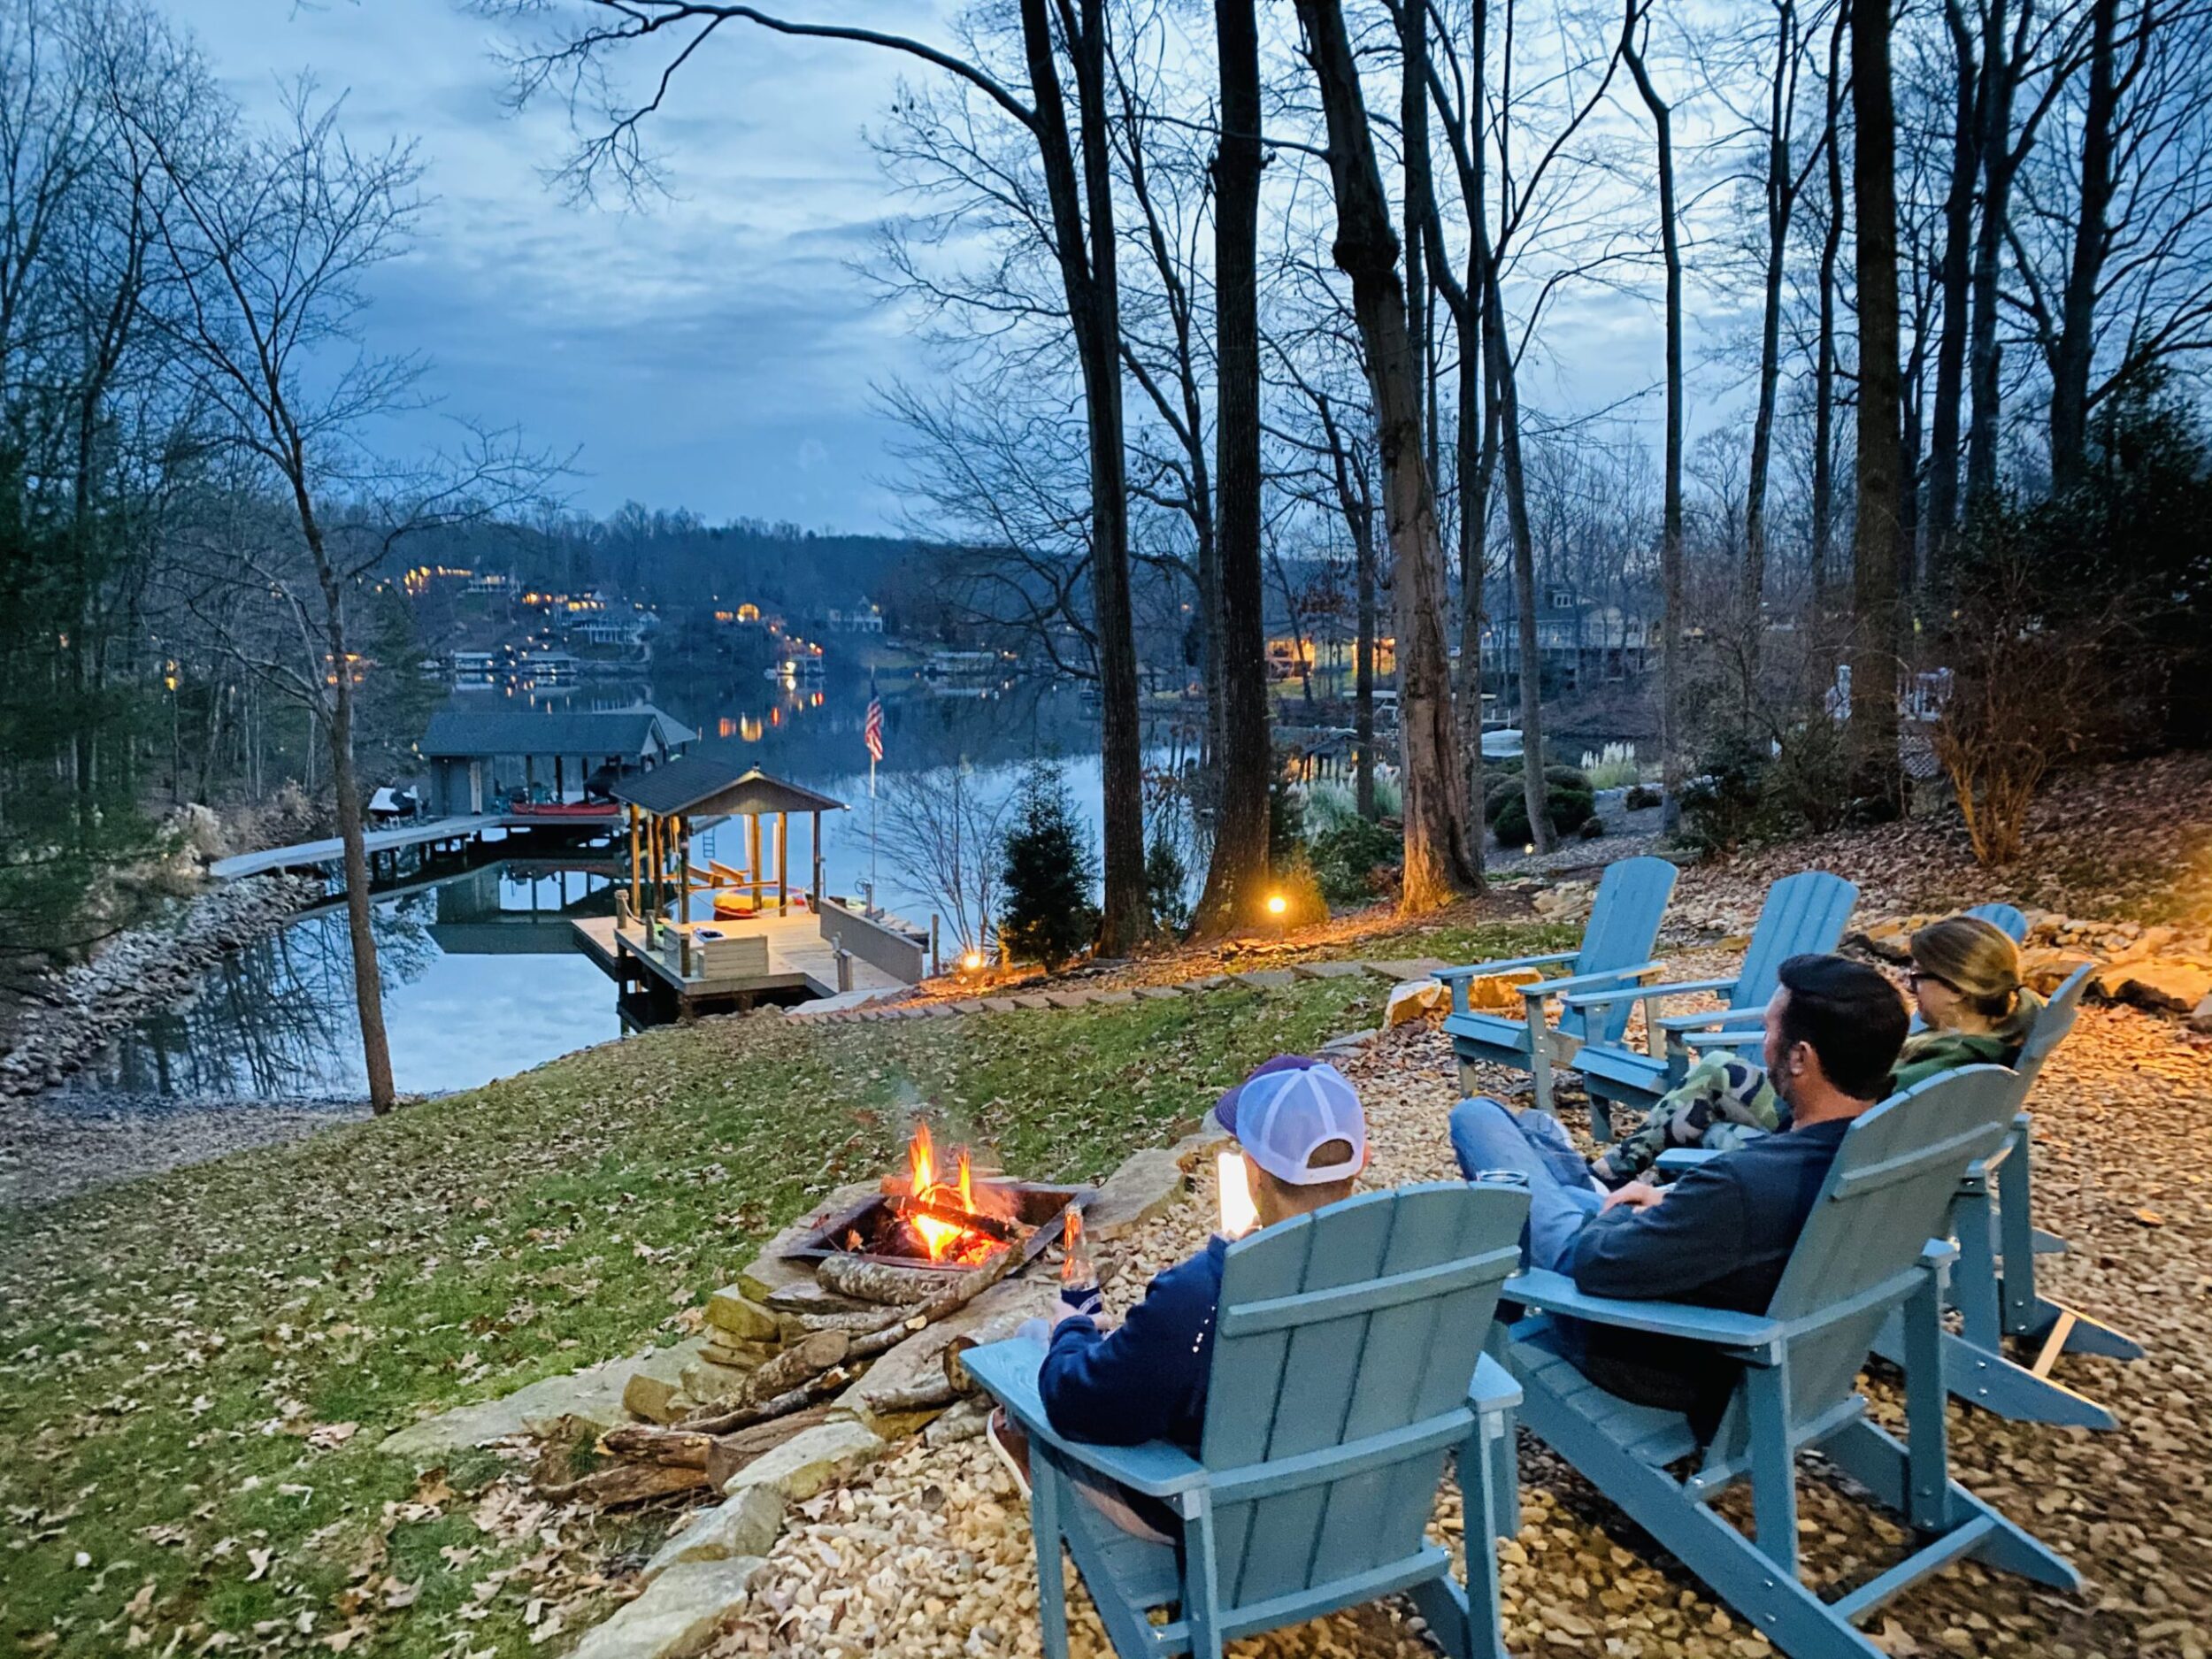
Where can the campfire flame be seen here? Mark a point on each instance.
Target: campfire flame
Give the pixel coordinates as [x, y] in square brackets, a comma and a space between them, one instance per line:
[945, 1241]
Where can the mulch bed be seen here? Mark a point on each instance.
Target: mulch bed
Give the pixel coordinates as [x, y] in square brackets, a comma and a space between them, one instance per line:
[931, 1554]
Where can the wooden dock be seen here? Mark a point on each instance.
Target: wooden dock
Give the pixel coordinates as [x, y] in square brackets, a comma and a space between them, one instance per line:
[313, 855]
[799, 960]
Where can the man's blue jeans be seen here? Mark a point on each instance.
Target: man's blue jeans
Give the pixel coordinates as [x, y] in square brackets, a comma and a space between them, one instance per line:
[1562, 1194]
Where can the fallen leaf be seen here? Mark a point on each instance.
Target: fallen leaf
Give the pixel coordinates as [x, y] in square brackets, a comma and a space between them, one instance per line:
[2150, 1218]
[327, 1435]
[402, 1594]
[260, 1558]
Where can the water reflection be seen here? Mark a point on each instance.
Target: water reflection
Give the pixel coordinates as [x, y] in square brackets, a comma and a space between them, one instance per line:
[277, 1021]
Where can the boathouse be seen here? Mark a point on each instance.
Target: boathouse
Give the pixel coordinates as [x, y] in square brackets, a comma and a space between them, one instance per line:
[492, 759]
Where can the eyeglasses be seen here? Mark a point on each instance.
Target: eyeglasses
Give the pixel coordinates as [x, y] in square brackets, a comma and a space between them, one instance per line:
[1913, 976]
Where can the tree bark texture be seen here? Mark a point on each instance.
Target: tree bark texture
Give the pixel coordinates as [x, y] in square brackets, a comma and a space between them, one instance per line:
[2000, 78]
[1438, 867]
[1823, 507]
[1876, 775]
[1236, 880]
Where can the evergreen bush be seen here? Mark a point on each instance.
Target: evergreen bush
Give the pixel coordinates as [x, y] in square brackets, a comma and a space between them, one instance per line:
[1048, 915]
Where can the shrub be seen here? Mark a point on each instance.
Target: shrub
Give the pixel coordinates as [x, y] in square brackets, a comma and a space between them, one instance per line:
[1166, 885]
[1641, 798]
[1723, 803]
[1347, 857]
[1285, 826]
[1567, 802]
[1049, 868]
[1592, 828]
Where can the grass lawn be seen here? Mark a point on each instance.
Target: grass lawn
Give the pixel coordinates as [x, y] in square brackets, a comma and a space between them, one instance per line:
[195, 1368]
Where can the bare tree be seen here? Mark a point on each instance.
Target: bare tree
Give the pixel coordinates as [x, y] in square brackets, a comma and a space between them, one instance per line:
[1438, 864]
[268, 239]
[1079, 179]
[944, 837]
[1636, 12]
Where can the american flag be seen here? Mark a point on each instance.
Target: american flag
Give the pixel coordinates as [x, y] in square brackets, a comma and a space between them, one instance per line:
[871, 734]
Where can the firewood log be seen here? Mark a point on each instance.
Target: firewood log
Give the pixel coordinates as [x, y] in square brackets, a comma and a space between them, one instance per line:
[952, 1215]
[995, 1329]
[684, 1447]
[793, 1366]
[956, 1297]
[796, 1327]
[926, 1393]
[721, 1422]
[877, 1281]
[626, 1482]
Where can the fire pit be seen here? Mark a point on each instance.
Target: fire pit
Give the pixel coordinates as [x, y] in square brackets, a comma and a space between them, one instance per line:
[925, 1221]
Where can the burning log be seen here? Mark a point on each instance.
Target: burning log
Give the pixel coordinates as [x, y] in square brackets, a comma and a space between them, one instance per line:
[956, 1296]
[953, 1215]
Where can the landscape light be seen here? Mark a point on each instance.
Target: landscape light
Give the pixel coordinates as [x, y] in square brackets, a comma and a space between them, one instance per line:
[1277, 904]
[973, 962]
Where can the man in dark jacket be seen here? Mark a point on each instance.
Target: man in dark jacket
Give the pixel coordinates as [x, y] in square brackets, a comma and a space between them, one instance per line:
[1721, 1236]
[1302, 1137]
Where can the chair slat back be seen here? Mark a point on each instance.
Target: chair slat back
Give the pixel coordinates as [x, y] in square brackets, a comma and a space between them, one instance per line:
[2007, 919]
[1886, 1195]
[1803, 915]
[2059, 1014]
[1361, 1321]
[1624, 928]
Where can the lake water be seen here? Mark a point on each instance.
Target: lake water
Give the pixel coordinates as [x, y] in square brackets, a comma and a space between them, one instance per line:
[480, 979]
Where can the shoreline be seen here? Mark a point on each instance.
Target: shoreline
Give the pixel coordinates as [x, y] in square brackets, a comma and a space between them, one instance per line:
[142, 971]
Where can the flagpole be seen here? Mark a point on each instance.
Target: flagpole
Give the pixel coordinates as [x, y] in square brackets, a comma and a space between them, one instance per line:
[873, 816]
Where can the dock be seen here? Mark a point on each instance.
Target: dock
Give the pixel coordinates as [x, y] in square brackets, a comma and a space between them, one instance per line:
[801, 964]
[315, 854]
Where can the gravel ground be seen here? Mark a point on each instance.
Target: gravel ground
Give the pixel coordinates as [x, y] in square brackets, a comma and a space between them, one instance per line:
[931, 1554]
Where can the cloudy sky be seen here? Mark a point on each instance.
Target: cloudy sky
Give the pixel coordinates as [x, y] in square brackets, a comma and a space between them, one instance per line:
[711, 349]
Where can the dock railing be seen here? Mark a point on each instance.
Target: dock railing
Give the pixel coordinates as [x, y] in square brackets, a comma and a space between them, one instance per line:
[892, 949]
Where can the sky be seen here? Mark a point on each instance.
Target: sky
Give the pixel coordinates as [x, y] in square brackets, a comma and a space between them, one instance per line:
[710, 350]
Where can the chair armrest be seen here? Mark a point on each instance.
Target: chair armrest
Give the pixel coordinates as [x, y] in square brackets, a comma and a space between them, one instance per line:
[1512, 965]
[1739, 1019]
[1556, 1292]
[1607, 976]
[1008, 1371]
[1682, 1160]
[1749, 1037]
[1652, 992]
[1493, 1388]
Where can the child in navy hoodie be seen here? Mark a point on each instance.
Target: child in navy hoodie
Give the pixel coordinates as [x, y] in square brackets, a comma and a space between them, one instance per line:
[1303, 1137]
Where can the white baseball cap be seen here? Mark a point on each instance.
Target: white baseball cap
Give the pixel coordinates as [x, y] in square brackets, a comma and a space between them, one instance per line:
[1289, 1108]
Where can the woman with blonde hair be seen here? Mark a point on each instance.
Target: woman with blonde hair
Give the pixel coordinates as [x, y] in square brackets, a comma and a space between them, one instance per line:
[1970, 1007]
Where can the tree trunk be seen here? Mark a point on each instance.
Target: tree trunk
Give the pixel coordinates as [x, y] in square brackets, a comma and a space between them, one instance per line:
[1670, 513]
[1780, 202]
[1497, 360]
[368, 986]
[2076, 351]
[1876, 776]
[1437, 865]
[1823, 507]
[1087, 270]
[1236, 880]
[2000, 74]
[1475, 439]
[1958, 235]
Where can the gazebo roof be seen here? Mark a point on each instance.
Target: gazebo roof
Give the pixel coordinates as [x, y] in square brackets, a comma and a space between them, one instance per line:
[700, 787]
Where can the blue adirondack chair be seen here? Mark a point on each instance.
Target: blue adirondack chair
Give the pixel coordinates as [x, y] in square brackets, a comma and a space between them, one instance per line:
[1803, 913]
[2008, 918]
[1616, 946]
[1341, 1360]
[1993, 1285]
[1865, 1250]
